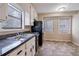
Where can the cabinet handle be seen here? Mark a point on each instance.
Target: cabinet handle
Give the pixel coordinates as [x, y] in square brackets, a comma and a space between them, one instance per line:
[33, 47]
[6, 17]
[25, 53]
[30, 49]
[19, 52]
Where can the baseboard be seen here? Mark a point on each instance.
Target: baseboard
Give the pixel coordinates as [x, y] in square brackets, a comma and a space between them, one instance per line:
[59, 40]
[75, 43]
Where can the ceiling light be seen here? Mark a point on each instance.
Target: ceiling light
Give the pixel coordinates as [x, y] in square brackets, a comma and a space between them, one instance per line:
[61, 9]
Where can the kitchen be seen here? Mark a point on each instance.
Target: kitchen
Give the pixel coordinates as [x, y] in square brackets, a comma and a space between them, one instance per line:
[39, 29]
[15, 31]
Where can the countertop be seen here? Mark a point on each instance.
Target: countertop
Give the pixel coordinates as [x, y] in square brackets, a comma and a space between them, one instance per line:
[11, 40]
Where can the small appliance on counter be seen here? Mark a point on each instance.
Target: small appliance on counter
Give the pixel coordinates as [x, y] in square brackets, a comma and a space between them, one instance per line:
[38, 28]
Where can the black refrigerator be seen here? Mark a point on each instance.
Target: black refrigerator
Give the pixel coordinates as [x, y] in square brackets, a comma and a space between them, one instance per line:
[38, 28]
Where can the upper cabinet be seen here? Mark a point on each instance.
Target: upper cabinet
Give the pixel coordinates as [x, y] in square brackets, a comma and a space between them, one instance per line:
[33, 14]
[30, 14]
[27, 14]
[3, 11]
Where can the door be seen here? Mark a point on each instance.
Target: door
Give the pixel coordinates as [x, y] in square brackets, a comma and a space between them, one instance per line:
[57, 28]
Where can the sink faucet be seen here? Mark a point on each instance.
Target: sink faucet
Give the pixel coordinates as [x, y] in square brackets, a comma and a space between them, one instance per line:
[18, 35]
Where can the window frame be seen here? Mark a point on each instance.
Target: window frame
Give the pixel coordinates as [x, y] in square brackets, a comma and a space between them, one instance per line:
[18, 10]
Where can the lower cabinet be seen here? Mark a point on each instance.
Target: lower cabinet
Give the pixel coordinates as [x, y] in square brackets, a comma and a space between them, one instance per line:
[26, 49]
[30, 47]
[20, 51]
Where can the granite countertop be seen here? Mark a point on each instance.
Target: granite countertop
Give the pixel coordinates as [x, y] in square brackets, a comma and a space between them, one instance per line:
[5, 43]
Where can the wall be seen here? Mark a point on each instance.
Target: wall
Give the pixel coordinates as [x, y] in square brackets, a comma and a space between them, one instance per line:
[41, 16]
[75, 29]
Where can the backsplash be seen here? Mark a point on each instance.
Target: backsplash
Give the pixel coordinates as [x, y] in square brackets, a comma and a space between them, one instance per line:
[11, 35]
[2, 23]
[6, 36]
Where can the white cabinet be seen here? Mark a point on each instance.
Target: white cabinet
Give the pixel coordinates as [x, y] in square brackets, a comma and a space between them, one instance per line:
[26, 49]
[30, 47]
[3, 11]
[35, 15]
[27, 14]
[20, 51]
[27, 18]
[32, 15]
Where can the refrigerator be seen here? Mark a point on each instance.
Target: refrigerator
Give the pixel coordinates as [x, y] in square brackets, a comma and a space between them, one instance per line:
[38, 28]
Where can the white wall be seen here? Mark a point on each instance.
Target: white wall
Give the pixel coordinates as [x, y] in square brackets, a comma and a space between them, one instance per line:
[75, 29]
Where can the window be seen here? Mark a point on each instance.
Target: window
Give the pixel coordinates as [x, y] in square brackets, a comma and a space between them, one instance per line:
[64, 24]
[14, 12]
[14, 20]
[47, 25]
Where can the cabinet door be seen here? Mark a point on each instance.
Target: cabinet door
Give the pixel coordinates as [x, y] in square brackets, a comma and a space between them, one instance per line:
[32, 15]
[33, 46]
[27, 14]
[3, 11]
[36, 16]
[20, 51]
[30, 47]
[27, 18]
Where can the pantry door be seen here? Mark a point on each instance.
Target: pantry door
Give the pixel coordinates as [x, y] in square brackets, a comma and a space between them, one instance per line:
[57, 28]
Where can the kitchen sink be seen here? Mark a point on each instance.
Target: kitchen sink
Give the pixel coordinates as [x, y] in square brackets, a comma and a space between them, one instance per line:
[9, 47]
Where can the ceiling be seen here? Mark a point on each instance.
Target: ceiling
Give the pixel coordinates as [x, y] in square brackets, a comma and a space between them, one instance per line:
[52, 7]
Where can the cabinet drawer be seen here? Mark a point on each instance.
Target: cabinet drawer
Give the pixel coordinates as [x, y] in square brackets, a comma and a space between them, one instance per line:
[20, 51]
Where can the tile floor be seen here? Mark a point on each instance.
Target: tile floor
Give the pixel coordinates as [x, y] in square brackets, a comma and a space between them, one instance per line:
[58, 49]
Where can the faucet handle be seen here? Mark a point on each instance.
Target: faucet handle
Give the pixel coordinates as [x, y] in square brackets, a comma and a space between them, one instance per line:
[17, 33]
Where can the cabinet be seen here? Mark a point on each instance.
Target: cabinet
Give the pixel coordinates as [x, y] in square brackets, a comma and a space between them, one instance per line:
[27, 18]
[36, 15]
[27, 14]
[30, 14]
[30, 47]
[20, 51]
[3, 11]
[33, 14]
[26, 49]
